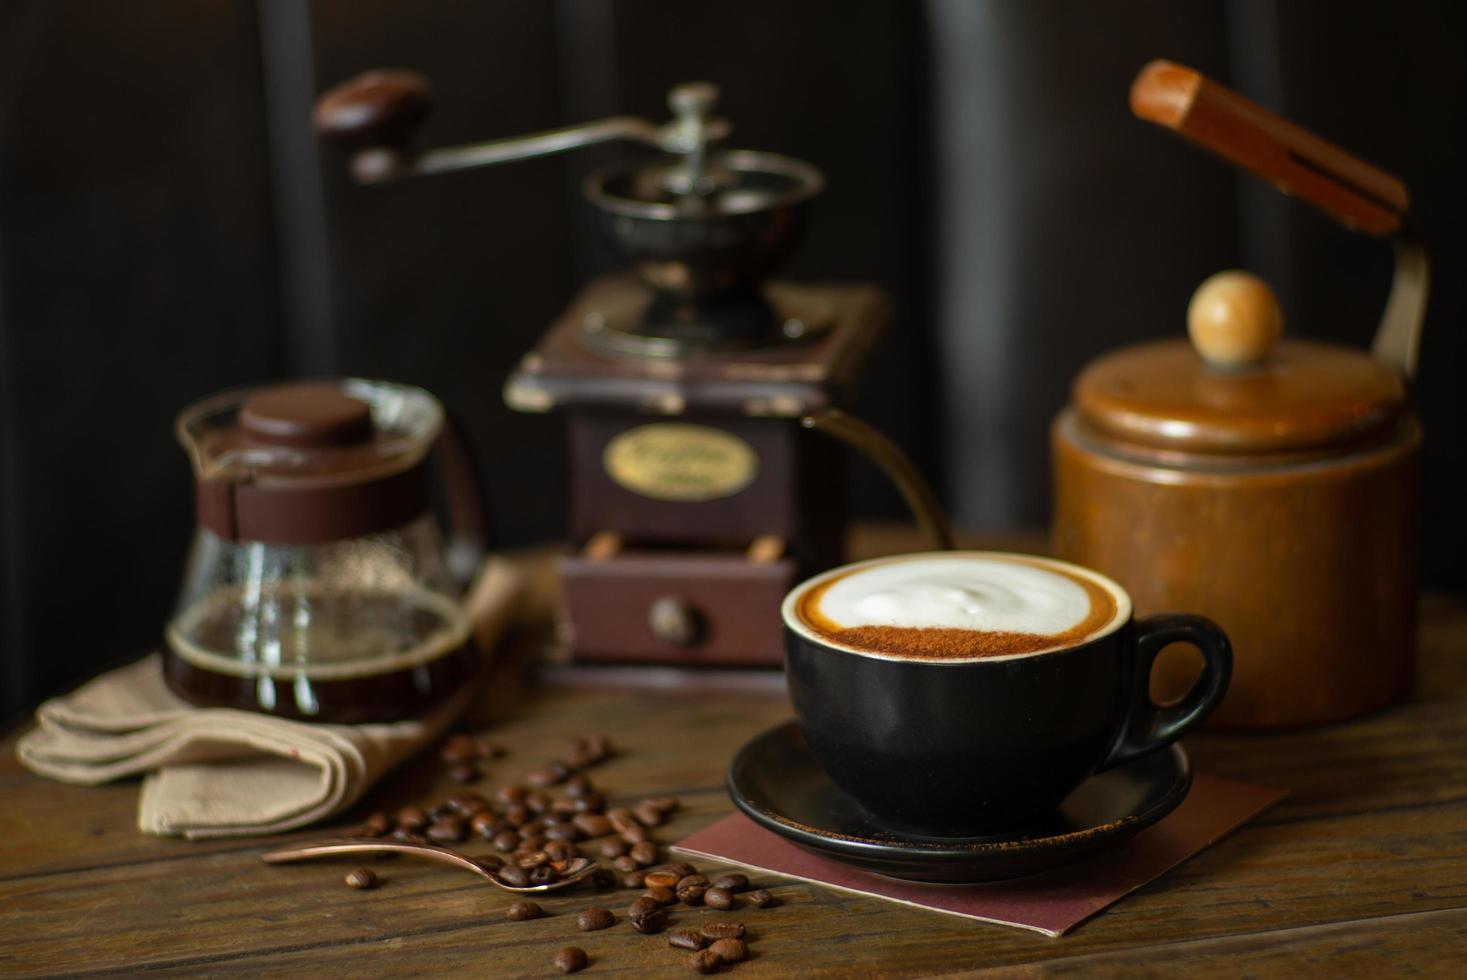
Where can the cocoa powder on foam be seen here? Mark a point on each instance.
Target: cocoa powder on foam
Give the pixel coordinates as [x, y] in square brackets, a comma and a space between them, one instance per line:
[941, 643]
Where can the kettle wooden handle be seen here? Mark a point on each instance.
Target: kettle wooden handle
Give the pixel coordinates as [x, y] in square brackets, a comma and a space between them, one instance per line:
[1360, 196]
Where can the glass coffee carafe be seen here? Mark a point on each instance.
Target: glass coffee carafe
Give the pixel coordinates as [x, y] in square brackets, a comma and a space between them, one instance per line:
[318, 585]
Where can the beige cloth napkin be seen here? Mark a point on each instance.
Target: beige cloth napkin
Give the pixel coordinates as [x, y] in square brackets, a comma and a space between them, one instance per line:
[219, 772]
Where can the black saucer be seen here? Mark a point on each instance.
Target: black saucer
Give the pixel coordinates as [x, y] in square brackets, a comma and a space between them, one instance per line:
[775, 780]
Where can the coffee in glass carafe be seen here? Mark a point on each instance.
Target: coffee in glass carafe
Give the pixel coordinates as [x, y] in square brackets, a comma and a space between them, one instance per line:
[318, 584]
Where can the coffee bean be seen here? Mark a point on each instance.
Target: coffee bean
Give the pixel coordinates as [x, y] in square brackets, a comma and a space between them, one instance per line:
[533, 859]
[662, 896]
[732, 883]
[691, 894]
[590, 803]
[379, 824]
[447, 830]
[641, 905]
[625, 863]
[705, 961]
[565, 832]
[513, 874]
[506, 841]
[458, 749]
[692, 880]
[545, 874]
[722, 930]
[532, 842]
[603, 879]
[465, 773]
[682, 869]
[633, 879]
[578, 785]
[552, 775]
[483, 823]
[592, 824]
[648, 817]
[593, 919]
[517, 815]
[412, 818]
[409, 836]
[730, 950]
[490, 861]
[686, 940]
[635, 834]
[718, 898]
[362, 878]
[468, 804]
[651, 922]
[572, 959]
[612, 849]
[662, 879]
[510, 794]
[563, 810]
[537, 801]
[644, 853]
[761, 899]
[520, 911]
[667, 804]
[488, 749]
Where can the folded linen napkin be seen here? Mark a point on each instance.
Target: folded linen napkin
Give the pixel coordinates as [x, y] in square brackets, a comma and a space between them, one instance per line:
[220, 772]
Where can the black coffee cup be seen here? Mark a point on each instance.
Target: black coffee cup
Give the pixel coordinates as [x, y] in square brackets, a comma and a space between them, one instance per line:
[982, 746]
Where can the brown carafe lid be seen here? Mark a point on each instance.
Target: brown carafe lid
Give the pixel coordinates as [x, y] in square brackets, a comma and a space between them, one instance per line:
[1237, 388]
[308, 462]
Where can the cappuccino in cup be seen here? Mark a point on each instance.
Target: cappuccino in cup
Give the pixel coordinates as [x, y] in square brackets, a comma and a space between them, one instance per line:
[952, 608]
[964, 694]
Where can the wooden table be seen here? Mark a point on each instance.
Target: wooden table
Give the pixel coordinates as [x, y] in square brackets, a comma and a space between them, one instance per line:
[1361, 871]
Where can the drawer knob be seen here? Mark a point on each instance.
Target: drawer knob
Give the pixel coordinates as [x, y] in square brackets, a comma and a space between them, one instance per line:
[674, 621]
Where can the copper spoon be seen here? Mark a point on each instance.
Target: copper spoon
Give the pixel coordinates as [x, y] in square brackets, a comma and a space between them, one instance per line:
[574, 872]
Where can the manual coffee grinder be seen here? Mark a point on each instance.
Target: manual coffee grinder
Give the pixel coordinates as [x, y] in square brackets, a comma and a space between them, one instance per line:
[700, 397]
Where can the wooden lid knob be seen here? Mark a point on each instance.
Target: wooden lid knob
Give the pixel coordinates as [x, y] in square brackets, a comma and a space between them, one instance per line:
[1234, 320]
[377, 108]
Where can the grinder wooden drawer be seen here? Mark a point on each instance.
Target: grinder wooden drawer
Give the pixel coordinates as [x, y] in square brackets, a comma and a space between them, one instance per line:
[676, 607]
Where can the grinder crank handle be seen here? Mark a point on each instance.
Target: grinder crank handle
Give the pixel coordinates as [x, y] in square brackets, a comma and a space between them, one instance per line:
[1357, 194]
[379, 112]
[1360, 196]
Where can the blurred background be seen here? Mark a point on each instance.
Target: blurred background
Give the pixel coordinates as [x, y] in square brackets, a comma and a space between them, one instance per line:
[169, 226]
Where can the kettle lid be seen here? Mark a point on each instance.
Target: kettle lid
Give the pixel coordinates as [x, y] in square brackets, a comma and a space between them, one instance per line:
[1237, 388]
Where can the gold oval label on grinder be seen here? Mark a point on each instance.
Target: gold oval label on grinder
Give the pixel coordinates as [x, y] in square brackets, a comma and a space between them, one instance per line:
[677, 461]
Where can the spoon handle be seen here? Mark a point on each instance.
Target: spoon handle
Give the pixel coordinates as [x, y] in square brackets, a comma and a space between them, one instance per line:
[330, 848]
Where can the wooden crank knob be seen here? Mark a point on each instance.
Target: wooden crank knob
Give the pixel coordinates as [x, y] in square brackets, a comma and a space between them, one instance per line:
[1234, 320]
[378, 113]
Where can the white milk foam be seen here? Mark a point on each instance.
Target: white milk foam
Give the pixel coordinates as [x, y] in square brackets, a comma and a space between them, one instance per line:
[957, 593]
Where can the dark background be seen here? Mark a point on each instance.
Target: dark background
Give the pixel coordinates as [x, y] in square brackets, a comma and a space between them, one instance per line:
[169, 227]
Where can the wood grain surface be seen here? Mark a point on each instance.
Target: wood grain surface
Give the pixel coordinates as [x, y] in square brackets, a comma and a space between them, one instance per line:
[1361, 871]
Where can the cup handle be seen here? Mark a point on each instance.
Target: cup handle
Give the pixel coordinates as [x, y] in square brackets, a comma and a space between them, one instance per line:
[1149, 726]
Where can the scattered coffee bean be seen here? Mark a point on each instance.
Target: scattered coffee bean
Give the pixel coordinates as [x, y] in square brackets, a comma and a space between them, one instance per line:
[667, 804]
[633, 879]
[614, 848]
[730, 950]
[484, 824]
[648, 817]
[644, 853]
[379, 824]
[590, 803]
[458, 749]
[488, 749]
[592, 824]
[593, 919]
[760, 899]
[572, 959]
[620, 818]
[510, 794]
[691, 894]
[537, 801]
[465, 773]
[517, 815]
[563, 810]
[732, 883]
[722, 930]
[564, 832]
[532, 842]
[705, 961]
[641, 905]
[447, 830]
[651, 922]
[545, 874]
[562, 850]
[409, 836]
[694, 879]
[552, 775]
[625, 863]
[506, 841]
[468, 804]
[362, 878]
[412, 818]
[718, 898]
[662, 879]
[682, 869]
[662, 896]
[578, 784]
[513, 874]
[603, 879]
[635, 834]
[520, 911]
[686, 940]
